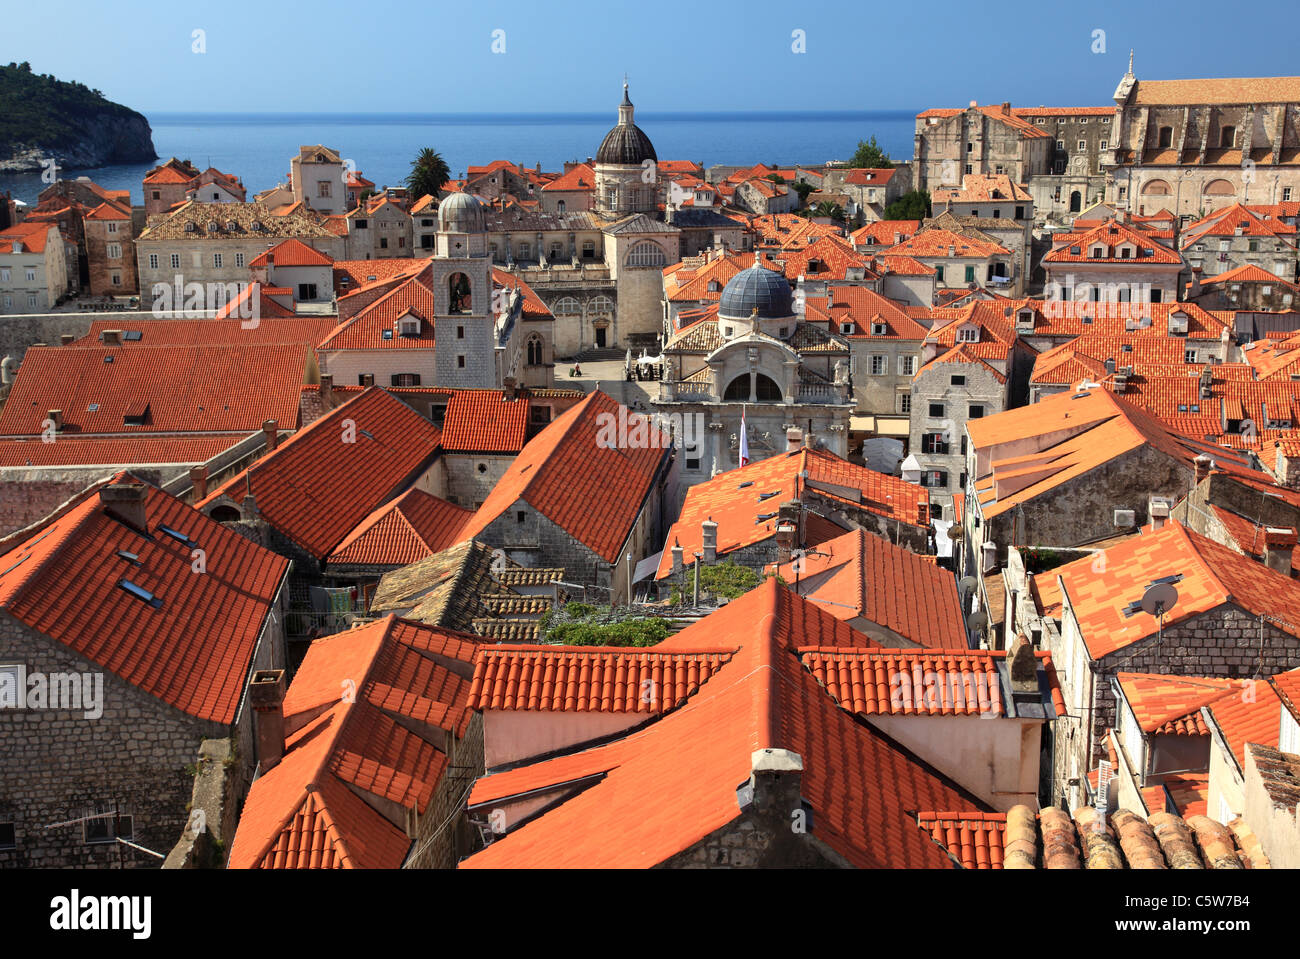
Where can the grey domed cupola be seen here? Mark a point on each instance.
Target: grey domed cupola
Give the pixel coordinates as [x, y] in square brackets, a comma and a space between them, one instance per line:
[626, 144]
[461, 213]
[759, 291]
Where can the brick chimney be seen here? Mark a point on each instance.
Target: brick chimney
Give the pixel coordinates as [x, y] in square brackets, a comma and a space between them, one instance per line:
[111, 337]
[793, 439]
[125, 501]
[1203, 466]
[677, 553]
[55, 417]
[271, 430]
[327, 390]
[709, 540]
[1278, 544]
[199, 479]
[1022, 666]
[266, 693]
[775, 783]
[508, 389]
[923, 514]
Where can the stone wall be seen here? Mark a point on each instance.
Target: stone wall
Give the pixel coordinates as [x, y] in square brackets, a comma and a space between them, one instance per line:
[29, 494]
[445, 836]
[60, 764]
[213, 813]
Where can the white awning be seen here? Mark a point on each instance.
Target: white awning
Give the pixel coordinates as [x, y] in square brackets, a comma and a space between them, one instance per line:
[647, 567]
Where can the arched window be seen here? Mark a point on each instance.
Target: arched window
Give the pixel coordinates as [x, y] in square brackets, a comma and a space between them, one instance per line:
[1219, 188]
[559, 206]
[224, 514]
[536, 350]
[458, 293]
[599, 306]
[765, 389]
[1166, 137]
[646, 253]
[1156, 188]
[567, 306]
[1076, 202]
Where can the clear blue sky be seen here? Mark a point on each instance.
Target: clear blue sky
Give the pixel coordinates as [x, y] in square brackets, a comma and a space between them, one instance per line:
[436, 56]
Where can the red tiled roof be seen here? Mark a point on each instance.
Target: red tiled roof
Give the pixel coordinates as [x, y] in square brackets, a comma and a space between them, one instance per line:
[328, 477]
[1212, 576]
[869, 177]
[135, 450]
[859, 784]
[31, 236]
[348, 756]
[1110, 236]
[894, 682]
[1249, 273]
[743, 502]
[865, 308]
[410, 528]
[360, 273]
[590, 678]
[307, 330]
[108, 211]
[484, 421]
[1171, 705]
[578, 476]
[581, 177]
[983, 188]
[366, 330]
[195, 649]
[936, 243]
[291, 252]
[995, 112]
[861, 575]
[884, 231]
[1251, 713]
[184, 388]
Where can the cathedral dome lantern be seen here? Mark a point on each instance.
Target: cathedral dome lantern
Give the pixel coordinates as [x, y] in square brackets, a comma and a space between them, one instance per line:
[461, 213]
[626, 144]
[757, 291]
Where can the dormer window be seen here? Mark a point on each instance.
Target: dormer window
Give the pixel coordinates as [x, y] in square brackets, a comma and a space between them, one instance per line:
[1098, 252]
[408, 326]
[877, 329]
[968, 334]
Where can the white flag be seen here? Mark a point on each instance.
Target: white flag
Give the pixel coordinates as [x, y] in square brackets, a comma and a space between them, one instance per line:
[744, 440]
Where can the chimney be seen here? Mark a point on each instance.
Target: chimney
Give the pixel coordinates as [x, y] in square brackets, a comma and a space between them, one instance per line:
[1203, 466]
[677, 553]
[785, 540]
[271, 431]
[793, 439]
[1159, 514]
[367, 380]
[65, 339]
[775, 783]
[1022, 669]
[709, 540]
[199, 479]
[923, 515]
[508, 389]
[55, 417]
[125, 501]
[1278, 544]
[1110, 365]
[327, 390]
[952, 250]
[266, 693]
[1206, 381]
[111, 337]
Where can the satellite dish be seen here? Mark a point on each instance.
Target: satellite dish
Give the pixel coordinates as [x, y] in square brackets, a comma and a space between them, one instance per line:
[966, 583]
[1159, 599]
[977, 620]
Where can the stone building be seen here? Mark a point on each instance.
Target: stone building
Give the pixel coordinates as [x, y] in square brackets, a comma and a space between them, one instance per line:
[110, 250]
[130, 667]
[1235, 237]
[1244, 288]
[962, 258]
[1194, 146]
[33, 267]
[1230, 617]
[989, 140]
[1112, 263]
[318, 179]
[380, 228]
[758, 358]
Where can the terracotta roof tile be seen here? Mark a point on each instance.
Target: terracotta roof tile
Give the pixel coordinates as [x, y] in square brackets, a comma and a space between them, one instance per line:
[1171, 705]
[410, 528]
[484, 421]
[194, 649]
[291, 252]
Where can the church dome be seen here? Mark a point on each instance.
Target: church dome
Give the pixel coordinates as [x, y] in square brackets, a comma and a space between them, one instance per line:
[461, 213]
[626, 144]
[757, 288]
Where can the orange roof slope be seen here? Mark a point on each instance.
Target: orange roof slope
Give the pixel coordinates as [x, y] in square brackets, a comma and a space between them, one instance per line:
[1251, 713]
[662, 789]
[410, 528]
[743, 501]
[861, 575]
[1171, 704]
[291, 252]
[139, 450]
[1109, 236]
[329, 476]
[581, 477]
[308, 330]
[590, 678]
[171, 389]
[1211, 576]
[193, 650]
[308, 812]
[484, 421]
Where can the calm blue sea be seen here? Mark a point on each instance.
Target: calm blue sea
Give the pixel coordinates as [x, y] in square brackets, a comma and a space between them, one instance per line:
[257, 147]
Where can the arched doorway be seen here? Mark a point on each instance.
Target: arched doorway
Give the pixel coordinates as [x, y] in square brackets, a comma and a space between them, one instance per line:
[1076, 201]
[764, 390]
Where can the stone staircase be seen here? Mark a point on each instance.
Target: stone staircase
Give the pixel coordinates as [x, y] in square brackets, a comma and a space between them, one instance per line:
[595, 354]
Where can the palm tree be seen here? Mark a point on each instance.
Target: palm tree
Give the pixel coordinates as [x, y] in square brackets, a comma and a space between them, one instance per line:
[429, 172]
[830, 210]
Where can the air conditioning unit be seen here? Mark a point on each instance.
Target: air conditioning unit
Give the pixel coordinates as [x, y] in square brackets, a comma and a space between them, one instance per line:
[1125, 518]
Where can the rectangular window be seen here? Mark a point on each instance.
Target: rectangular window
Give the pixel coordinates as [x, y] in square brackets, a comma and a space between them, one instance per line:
[176, 261]
[1190, 356]
[239, 259]
[460, 332]
[976, 411]
[460, 362]
[4, 275]
[31, 301]
[878, 365]
[8, 836]
[31, 274]
[970, 274]
[904, 402]
[103, 824]
[938, 271]
[117, 279]
[906, 365]
[216, 260]
[936, 409]
[959, 379]
[114, 251]
[1083, 144]
[383, 243]
[406, 379]
[153, 261]
[935, 479]
[112, 228]
[1286, 194]
[323, 188]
